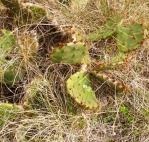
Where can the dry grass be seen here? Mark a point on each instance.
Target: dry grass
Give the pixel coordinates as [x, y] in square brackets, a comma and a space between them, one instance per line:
[62, 120]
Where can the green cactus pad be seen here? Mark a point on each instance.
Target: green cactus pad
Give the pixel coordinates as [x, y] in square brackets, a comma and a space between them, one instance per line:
[129, 37]
[9, 73]
[11, 77]
[37, 12]
[13, 5]
[105, 31]
[114, 62]
[70, 53]
[119, 86]
[25, 13]
[7, 42]
[79, 88]
[9, 112]
[31, 13]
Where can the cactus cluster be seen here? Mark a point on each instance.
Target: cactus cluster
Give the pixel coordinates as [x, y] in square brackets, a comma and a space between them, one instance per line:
[128, 38]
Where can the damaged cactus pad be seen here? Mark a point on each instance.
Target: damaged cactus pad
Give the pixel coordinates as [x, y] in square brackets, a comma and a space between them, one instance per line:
[119, 86]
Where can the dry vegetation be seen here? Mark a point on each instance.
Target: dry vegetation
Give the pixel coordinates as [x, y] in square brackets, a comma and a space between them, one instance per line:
[121, 117]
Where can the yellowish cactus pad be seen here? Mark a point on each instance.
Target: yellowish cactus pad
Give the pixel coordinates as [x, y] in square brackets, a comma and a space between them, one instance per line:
[79, 88]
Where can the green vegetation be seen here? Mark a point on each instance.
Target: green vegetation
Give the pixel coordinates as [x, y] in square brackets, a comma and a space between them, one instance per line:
[7, 42]
[129, 37]
[74, 70]
[110, 27]
[8, 112]
[71, 53]
[79, 87]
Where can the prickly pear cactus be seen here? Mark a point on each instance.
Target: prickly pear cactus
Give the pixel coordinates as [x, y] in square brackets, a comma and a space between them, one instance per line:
[79, 88]
[13, 5]
[119, 86]
[11, 77]
[114, 62]
[30, 13]
[8, 111]
[7, 41]
[8, 75]
[109, 29]
[129, 37]
[71, 53]
[37, 12]
[25, 13]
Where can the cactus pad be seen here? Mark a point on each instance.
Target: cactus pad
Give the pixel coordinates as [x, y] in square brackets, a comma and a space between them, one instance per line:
[8, 111]
[105, 31]
[119, 86]
[25, 13]
[11, 77]
[13, 5]
[7, 41]
[79, 88]
[37, 12]
[32, 13]
[129, 37]
[114, 62]
[70, 53]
